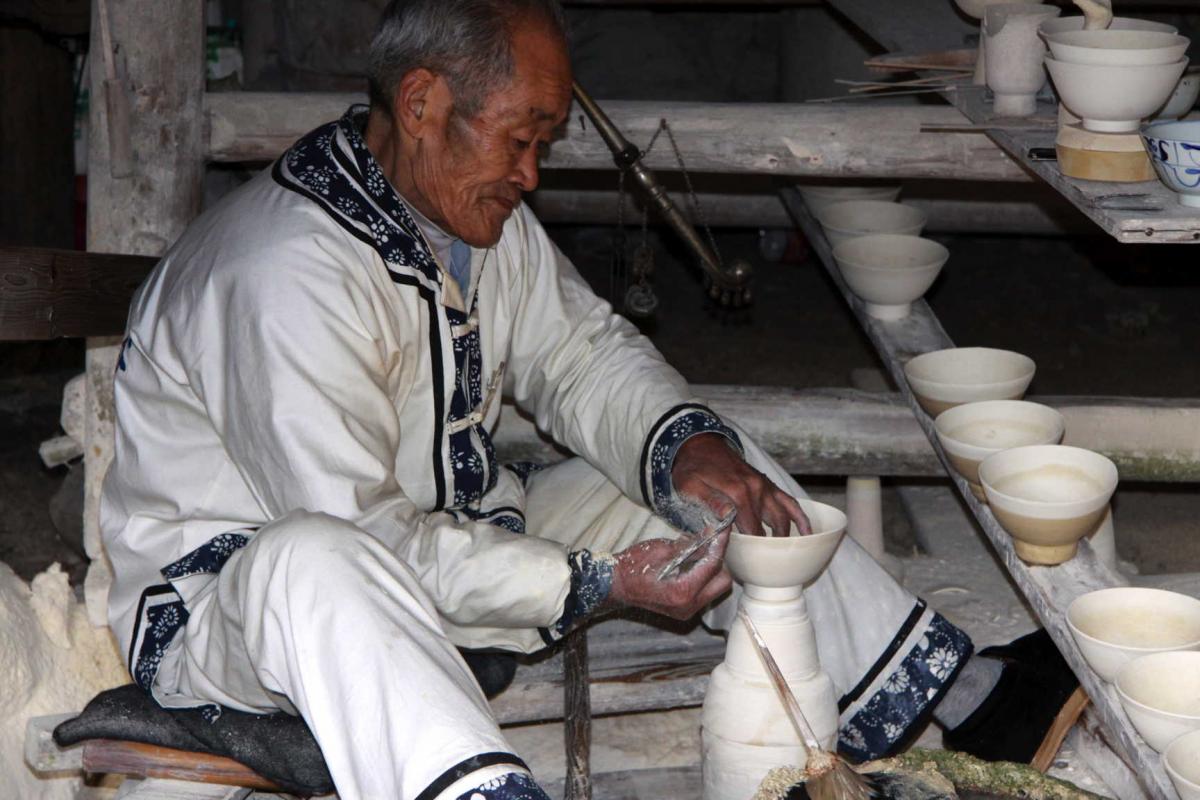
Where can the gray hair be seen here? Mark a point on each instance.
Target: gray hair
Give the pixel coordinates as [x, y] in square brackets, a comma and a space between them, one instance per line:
[468, 42]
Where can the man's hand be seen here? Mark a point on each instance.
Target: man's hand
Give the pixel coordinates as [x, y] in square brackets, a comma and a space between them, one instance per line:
[680, 595]
[707, 469]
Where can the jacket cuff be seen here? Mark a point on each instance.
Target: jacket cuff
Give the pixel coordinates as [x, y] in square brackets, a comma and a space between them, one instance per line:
[666, 436]
[591, 583]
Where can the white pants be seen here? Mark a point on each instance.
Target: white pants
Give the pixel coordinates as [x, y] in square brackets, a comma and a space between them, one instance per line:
[316, 617]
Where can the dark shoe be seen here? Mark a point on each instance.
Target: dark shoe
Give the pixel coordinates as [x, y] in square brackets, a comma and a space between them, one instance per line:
[1011, 723]
[493, 670]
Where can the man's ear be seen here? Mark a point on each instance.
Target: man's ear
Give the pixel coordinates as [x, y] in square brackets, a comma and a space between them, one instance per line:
[422, 102]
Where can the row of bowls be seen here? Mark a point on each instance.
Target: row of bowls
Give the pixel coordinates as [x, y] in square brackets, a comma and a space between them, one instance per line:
[1047, 496]
[877, 245]
[1145, 642]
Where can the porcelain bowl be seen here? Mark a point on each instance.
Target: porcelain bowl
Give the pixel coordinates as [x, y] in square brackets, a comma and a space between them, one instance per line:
[1174, 149]
[1117, 47]
[976, 8]
[971, 432]
[855, 218]
[1114, 626]
[1182, 760]
[1048, 497]
[1075, 23]
[1114, 98]
[1183, 99]
[779, 562]
[889, 271]
[1161, 695]
[947, 378]
[820, 197]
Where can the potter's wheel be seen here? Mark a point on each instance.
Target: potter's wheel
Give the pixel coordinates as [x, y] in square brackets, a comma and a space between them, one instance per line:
[1094, 156]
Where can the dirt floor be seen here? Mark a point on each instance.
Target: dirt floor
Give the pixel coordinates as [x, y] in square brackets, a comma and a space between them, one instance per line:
[1097, 317]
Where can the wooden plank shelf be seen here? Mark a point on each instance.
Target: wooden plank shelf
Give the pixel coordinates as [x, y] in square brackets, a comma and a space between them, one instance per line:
[1049, 590]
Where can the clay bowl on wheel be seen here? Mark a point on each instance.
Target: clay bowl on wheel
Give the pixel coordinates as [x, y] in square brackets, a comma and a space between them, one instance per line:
[1075, 23]
[1117, 47]
[1161, 695]
[855, 218]
[820, 197]
[1174, 149]
[889, 271]
[779, 562]
[1114, 98]
[1048, 497]
[947, 378]
[971, 432]
[1182, 760]
[1114, 626]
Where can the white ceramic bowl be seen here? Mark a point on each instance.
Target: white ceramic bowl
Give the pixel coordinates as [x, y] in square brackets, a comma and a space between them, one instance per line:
[976, 8]
[1174, 149]
[1114, 626]
[779, 562]
[855, 218]
[889, 271]
[1183, 99]
[820, 197]
[1048, 497]
[1114, 98]
[1117, 47]
[971, 432]
[947, 378]
[1075, 23]
[1182, 760]
[1161, 695]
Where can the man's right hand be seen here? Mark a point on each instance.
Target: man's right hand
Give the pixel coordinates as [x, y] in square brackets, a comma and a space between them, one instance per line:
[682, 594]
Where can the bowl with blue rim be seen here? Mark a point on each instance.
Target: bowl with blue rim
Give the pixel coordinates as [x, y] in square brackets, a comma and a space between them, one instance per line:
[1174, 149]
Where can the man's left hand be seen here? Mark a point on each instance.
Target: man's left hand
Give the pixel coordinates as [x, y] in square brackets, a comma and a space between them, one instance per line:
[707, 469]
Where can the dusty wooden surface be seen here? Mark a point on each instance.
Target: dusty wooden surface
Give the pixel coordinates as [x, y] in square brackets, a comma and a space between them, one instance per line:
[578, 712]
[873, 142]
[144, 760]
[1049, 590]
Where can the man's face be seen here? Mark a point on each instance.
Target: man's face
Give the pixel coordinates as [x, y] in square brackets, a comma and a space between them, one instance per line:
[472, 172]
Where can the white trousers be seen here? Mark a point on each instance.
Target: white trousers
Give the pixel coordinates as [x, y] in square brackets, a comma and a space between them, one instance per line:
[316, 617]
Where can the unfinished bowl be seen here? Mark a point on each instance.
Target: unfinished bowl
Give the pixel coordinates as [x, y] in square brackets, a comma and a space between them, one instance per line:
[1183, 99]
[970, 433]
[1117, 47]
[1048, 497]
[888, 271]
[1114, 626]
[947, 378]
[779, 562]
[977, 9]
[1182, 760]
[1161, 695]
[1075, 23]
[1174, 149]
[855, 218]
[1114, 98]
[819, 198]
[1015, 72]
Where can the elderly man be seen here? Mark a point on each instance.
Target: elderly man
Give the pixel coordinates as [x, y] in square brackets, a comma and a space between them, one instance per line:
[306, 513]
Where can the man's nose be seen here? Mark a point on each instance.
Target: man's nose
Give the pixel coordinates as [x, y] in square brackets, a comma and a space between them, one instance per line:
[525, 171]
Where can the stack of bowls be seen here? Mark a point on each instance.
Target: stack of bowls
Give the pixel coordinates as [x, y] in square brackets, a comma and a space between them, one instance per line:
[1113, 79]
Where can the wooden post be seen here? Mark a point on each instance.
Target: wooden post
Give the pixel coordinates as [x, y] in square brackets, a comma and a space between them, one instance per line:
[158, 50]
[578, 717]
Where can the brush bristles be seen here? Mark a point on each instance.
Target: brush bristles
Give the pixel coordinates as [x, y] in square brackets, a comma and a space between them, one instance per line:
[837, 781]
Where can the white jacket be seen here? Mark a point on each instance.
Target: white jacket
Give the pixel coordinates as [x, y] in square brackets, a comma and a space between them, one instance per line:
[300, 348]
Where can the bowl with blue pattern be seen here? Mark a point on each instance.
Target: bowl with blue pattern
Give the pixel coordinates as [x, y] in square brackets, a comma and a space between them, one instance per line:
[1174, 149]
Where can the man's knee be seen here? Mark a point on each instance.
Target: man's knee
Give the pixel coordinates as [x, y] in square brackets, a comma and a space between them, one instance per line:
[305, 540]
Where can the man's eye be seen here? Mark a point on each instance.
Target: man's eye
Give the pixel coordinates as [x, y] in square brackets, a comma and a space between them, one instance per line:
[543, 150]
[521, 144]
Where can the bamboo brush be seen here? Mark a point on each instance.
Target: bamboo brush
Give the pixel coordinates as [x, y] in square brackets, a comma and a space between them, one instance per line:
[826, 775]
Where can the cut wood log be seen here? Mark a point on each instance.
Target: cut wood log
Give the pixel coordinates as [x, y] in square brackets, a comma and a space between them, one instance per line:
[880, 142]
[146, 760]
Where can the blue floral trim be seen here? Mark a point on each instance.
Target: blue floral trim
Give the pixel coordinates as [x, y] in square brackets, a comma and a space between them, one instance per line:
[667, 435]
[511, 786]
[903, 693]
[462, 769]
[523, 469]
[591, 583]
[507, 517]
[162, 612]
[473, 464]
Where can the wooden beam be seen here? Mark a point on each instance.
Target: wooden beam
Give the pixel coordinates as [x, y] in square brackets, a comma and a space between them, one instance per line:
[49, 294]
[1049, 590]
[819, 141]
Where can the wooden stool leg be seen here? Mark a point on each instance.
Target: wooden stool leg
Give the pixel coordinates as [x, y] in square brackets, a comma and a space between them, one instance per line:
[578, 717]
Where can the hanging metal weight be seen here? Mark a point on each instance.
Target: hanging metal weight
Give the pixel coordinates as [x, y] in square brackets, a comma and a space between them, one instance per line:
[729, 286]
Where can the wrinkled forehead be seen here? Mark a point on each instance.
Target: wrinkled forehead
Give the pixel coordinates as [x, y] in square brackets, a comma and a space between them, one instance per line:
[540, 88]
